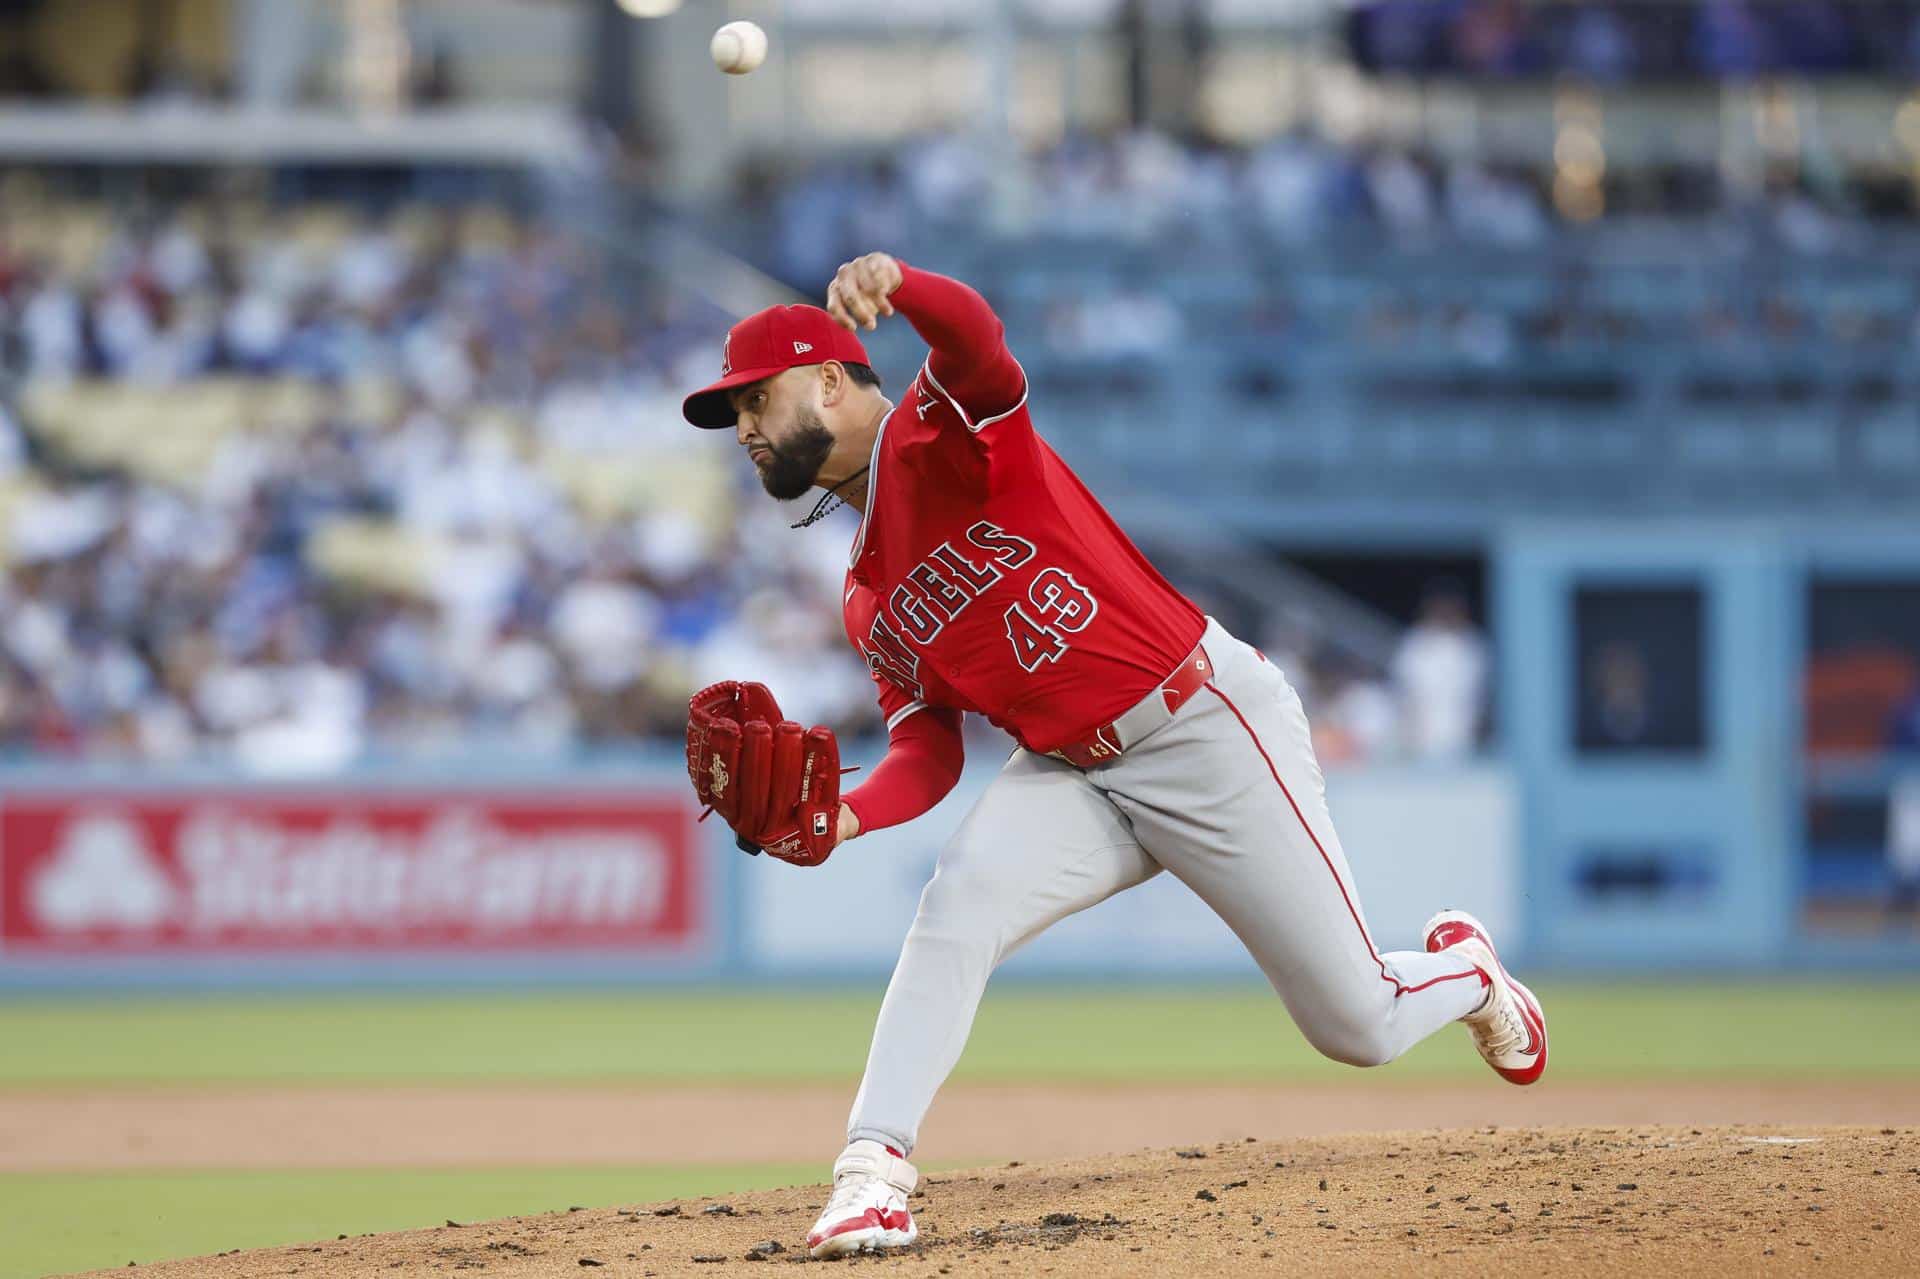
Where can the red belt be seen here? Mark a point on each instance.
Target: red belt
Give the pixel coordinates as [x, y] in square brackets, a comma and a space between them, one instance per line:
[1103, 744]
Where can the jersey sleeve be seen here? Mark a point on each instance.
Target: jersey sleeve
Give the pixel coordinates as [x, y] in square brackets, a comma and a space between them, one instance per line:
[969, 370]
[925, 753]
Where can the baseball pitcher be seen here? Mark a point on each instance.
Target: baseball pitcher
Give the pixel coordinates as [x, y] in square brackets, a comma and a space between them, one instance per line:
[985, 578]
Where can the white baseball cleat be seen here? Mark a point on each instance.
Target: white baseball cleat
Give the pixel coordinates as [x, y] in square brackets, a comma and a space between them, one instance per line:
[1509, 1028]
[868, 1208]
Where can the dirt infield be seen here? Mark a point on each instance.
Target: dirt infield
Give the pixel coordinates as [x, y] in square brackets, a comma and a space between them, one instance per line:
[1693, 1200]
[531, 1126]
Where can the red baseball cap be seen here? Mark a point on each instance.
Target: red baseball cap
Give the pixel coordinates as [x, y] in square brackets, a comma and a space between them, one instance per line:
[765, 343]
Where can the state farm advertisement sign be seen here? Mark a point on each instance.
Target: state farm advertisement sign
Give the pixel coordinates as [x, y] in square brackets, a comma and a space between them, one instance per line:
[197, 871]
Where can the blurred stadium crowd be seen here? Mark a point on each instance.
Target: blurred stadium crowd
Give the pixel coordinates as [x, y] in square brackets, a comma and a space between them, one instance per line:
[304, 485]
[1298, 189]
[1609, 42]
[1427, 270]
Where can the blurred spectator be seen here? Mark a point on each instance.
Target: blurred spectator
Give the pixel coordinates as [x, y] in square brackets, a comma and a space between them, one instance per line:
[1620, 691]
[1598, 47]
[1904, 733]
[945, 176]
[1289, 181]
[1491, 37]
[1484, 205]
[1903, 810]
[1357, 718]
[1729, 39]
[1402, 194]
[13, 446]
[1441, 673]
[1903, 844]
[1128, 323]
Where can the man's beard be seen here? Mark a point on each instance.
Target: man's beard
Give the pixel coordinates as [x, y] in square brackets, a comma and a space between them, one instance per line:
[792, 467]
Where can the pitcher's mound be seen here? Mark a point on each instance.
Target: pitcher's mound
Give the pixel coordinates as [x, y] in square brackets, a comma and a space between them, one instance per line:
[1666, 1201]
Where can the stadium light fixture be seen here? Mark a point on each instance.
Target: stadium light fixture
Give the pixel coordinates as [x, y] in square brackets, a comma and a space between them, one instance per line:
[649, 8]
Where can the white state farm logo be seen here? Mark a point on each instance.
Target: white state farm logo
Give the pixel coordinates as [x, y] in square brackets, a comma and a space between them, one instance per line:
[102, 874]
[459, 870]
[254, 873]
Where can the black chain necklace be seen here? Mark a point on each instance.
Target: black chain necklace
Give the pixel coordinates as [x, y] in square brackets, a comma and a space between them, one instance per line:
[830, 501]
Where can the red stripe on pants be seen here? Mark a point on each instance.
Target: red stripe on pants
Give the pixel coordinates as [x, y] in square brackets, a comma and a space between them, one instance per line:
[1354, 914]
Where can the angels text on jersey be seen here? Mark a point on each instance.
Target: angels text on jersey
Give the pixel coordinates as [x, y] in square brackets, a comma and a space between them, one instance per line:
[949, 580]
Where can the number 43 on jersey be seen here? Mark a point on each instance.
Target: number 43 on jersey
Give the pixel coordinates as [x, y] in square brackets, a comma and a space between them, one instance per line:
[1056, 606]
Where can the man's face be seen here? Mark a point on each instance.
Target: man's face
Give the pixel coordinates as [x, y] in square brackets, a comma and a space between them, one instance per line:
[776, 422]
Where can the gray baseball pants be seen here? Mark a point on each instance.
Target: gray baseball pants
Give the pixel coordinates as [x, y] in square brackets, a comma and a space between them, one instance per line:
[1226, 795]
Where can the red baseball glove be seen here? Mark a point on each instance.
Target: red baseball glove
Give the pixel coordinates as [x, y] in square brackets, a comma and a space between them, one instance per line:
[776, 784]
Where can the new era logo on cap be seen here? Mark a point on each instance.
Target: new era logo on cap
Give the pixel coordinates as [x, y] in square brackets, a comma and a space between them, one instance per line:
[801, 348]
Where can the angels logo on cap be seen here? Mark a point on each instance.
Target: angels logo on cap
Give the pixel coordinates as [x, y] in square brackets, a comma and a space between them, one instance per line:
[726, 356]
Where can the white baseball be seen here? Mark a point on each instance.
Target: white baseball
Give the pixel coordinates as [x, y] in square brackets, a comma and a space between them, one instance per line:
[738, 47]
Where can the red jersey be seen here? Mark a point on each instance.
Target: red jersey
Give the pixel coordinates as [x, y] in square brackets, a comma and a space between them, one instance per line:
[985, 577]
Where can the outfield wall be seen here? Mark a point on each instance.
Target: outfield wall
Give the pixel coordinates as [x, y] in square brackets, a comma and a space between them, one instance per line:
[1418, 840]
[602, 874]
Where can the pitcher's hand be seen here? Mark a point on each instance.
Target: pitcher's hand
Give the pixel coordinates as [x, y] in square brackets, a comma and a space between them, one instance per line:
[857, 298]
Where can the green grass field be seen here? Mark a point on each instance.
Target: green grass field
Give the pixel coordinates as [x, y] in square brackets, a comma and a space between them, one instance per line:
[75, 1221]
[1242, 1033]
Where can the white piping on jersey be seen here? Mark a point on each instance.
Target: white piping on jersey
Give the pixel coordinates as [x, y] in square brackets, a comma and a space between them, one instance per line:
[903, 712]
[873, 492]
[983, 423]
